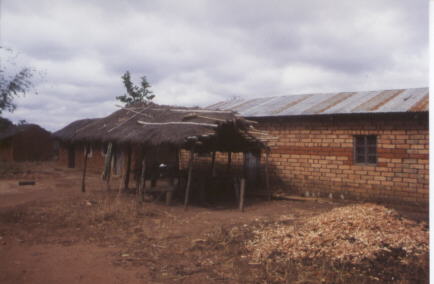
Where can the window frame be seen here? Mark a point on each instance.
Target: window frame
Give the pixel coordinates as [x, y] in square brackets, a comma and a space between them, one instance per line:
[367, 149]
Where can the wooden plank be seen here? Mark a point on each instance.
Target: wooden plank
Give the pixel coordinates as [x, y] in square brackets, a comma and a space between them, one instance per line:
[213, 164]
[194, 110]
[177, 123]
[83, 179]
[133, 116]
[242, 193]
[107, 165]
[109, 174]
[190, 171]
[229, 160]
[169, 194]
[142, 180]
[26, 182]
[128, 168]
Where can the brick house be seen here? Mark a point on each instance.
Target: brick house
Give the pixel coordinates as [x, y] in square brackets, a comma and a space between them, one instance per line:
[370, 145]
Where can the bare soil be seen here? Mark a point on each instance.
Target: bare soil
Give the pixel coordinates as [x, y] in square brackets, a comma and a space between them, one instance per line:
[50, 232]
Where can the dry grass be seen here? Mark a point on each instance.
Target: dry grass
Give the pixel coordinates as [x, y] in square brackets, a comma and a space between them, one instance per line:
[349, 234]
[359, 243]
[100, 217]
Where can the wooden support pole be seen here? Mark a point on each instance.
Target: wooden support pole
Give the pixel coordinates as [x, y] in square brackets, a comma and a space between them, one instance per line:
[107, 165]
[267, 175]
[169, 193]
[142, 180]
[242, 193]
[128, 168]
[107, 181]
[229, 160]
[243, 184]
[213, 164]
[107, 161]
[83, 179]
[190, 170]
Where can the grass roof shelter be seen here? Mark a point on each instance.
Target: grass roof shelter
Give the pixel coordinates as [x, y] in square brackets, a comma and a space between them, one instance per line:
[145, 127]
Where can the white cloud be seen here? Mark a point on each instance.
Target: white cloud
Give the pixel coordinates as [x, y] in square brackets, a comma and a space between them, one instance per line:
[199, 52]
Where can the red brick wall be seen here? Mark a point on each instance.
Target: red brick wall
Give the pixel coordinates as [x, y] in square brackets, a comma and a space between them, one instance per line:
[94, 162]
[314, 156]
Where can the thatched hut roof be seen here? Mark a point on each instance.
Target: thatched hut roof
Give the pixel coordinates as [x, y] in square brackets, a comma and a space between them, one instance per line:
[13, 130]
[153, 125]
[67, 133]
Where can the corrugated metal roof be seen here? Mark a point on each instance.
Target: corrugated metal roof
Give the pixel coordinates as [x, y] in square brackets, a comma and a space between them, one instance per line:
[385, 101]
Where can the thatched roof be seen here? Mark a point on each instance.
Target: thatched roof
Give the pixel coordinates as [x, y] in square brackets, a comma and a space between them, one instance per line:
[13, 130]
[153, 125]
[68, 132]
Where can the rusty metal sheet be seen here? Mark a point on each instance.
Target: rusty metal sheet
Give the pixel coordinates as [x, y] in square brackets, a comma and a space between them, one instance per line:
[331, 102]
[304, 106]
[374, 103]
[406, 100]
[348, 105]
[401, 100]
[275, 104]
[246, 106]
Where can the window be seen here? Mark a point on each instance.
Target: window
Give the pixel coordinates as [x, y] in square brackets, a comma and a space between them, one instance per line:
[365, 149]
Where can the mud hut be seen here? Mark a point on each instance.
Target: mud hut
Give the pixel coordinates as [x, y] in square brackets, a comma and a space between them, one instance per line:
[28, 142]
[152, 134]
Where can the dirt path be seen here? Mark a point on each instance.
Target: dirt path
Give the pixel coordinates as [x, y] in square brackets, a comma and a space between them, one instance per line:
[61, 264]
[53, 233]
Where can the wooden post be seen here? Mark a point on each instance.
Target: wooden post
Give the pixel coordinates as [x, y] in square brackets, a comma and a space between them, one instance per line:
[213, 164]
[142, 180]
[83, 180]
[128, 168]
[267, 176]
[242, 193]
[190, 170]
[107, 181]
[169, 194]
[107, 165]
[243, 184]
[229, 160]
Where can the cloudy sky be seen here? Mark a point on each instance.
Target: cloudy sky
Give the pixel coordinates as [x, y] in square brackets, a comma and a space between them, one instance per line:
[200, 52]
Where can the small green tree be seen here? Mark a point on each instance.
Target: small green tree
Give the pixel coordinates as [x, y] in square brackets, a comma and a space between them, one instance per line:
[136, 94]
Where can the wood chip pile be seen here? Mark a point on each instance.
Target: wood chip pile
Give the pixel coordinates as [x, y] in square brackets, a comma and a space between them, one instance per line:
[348, 234]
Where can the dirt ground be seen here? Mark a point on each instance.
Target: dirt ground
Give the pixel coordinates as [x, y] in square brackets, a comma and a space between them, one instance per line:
[50, 232]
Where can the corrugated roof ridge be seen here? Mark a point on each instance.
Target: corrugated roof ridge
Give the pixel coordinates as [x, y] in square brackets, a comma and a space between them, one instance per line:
[373, 104]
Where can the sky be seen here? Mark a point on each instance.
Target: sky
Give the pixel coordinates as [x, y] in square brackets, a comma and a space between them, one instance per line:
[199, 52]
